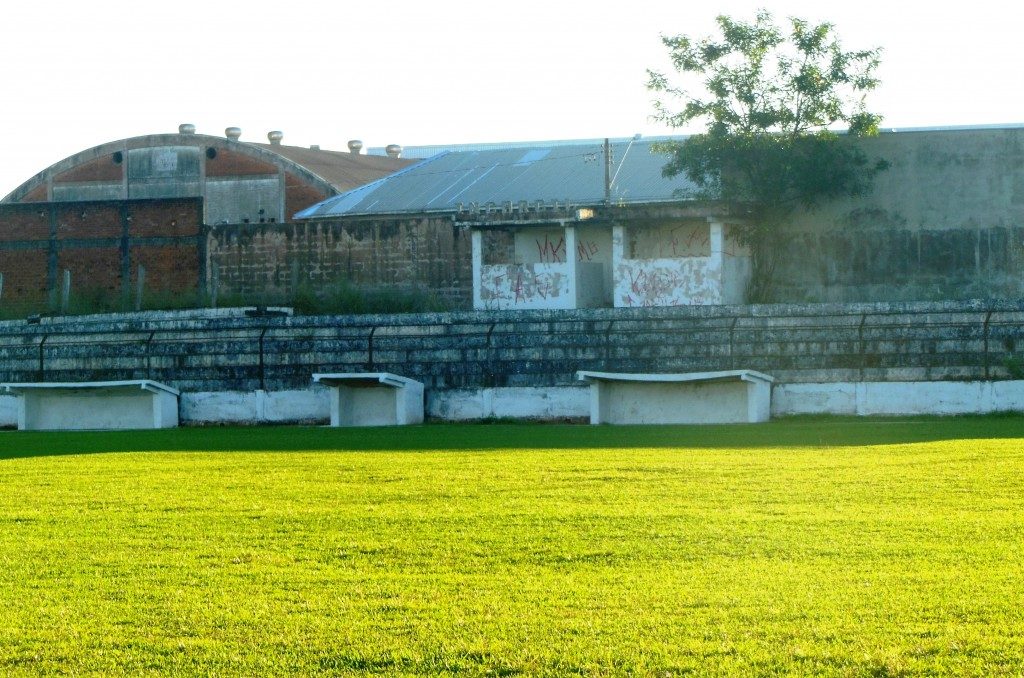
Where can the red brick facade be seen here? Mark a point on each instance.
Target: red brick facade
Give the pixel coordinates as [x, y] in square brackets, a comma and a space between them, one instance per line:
[229, 164]
[106, 168]
[87, 220]
[98, 243]
[24, 222]
[299, 195]
[24, 275]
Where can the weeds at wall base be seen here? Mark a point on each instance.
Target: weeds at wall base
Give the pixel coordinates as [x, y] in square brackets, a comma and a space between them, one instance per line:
[338, 299]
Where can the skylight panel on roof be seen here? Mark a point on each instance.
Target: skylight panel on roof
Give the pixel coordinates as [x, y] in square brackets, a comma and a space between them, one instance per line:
[532, 156]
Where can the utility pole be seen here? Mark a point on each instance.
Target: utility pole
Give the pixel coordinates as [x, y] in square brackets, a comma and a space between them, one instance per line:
[607, 172]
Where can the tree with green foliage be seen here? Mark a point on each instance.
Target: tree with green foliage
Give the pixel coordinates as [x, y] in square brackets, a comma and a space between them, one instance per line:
[771, 98]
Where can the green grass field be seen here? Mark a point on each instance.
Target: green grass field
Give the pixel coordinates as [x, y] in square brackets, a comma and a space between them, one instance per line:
[818, 546]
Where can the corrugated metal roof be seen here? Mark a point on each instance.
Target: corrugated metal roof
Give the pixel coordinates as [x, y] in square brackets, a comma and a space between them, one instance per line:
[434, 149]
[552, 173]
[341, 169]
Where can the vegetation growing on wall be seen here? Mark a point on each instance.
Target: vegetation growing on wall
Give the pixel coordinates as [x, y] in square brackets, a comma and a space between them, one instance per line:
[771, 98]
[341, 298]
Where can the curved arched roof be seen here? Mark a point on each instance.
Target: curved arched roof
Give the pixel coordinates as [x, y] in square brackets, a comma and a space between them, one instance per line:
[329, 172]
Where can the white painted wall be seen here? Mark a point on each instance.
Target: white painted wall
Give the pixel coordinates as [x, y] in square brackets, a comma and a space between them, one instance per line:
[565, 402]
[8, 411]
[648, 402]
[649, 272]
[539, 246]
[670, 241]
[378, 405]
[525, 286]
[667, 282]
[256, 407]
[573, 402]
[899, 398]
[102, 408]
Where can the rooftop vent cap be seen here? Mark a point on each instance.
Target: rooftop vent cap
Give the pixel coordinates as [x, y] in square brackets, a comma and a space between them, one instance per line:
[186, 128]
[354, 146]
[233, 133]
[275, 137]
[393, 150]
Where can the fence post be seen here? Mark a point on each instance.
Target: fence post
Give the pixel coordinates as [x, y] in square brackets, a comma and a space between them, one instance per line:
[140, 285]
[214, 284]
[65, 292]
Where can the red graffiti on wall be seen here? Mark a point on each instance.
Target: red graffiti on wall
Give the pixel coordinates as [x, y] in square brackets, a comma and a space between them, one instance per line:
[586, 250]
[549, 252]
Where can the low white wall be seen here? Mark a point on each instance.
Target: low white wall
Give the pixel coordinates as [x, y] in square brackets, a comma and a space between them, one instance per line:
[896, 398]
[565, 402]
[8, 411]
[573, 402]
[256, 407]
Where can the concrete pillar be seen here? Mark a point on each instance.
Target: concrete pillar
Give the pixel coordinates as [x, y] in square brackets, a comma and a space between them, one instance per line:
[618, 257]
[571, 261]
[476, 237]
[716, 264]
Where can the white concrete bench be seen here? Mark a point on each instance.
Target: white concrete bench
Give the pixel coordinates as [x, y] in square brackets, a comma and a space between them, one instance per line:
[373, 399]
[133, 404]
[733, 396]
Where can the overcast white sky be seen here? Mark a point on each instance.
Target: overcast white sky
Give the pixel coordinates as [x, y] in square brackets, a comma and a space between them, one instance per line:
[77, 74]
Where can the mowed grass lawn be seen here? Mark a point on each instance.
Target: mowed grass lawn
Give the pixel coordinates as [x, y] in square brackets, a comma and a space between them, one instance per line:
[836, 547]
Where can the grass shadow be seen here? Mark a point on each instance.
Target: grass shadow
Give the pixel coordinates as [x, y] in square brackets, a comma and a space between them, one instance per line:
[795, 432]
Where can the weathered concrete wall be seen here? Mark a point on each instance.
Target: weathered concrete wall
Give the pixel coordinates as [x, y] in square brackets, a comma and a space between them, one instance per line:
[677, 264]
[668, 282]
[275, 259]
[961, 341]
[526, 286]
[528, 268]
[945, 221]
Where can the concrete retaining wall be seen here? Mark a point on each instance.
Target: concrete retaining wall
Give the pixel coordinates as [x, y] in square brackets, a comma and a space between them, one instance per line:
[462, 357]
[569, 403]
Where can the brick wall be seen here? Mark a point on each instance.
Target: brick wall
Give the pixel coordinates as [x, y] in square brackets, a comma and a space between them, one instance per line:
[24, 223]
[169, 268]
[299, 195]
[793, 343]
[37, 194]
[104, 168]
[164, 218]
[24, 275]
[95, 271]
[100, 243]
[87, 220]
[228, 163]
